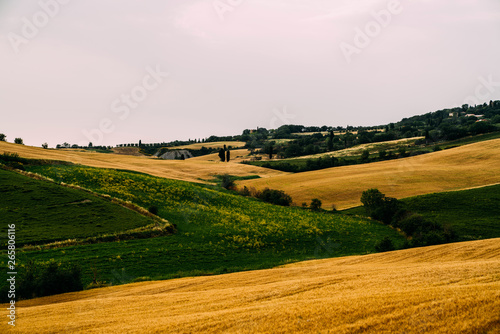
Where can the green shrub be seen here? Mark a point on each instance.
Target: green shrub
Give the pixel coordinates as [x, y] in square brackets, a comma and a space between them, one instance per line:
[380, 207]
[153, 209]
[38, 280]
[226, 181]
[316, 204]
[385, 245]
[273, 196]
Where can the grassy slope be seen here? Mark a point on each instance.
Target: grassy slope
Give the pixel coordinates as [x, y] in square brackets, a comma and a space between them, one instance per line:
[45, 212]
[188, 170]
[463, 167]
[452, 288]
[217, 231]
[473, 214]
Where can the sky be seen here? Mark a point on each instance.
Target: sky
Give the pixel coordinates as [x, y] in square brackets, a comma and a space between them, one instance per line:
[120, 71]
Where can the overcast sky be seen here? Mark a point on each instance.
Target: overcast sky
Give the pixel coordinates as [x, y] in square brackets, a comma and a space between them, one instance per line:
[96, 70]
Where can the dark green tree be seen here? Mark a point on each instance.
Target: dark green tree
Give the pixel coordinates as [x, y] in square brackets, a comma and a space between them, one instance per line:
[2, 137]
[316, 204]
[228, 156]
[329, 141]
[18, 141]
[222, 155]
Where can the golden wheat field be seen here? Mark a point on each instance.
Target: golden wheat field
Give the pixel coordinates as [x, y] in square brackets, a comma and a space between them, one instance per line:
[453, 288]
[463, 167]
[195, 171]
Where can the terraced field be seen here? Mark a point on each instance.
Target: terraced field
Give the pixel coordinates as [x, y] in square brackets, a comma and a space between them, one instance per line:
[462, 167]
[452, 288]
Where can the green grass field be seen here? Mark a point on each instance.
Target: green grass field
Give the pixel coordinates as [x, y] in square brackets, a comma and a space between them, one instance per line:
[473, 214]
[45, 212]
[217, 231]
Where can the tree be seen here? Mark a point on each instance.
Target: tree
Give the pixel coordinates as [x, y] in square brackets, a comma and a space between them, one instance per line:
[329, 142]
[90, 144]
[382, 154]
[228, 156]
[2, 137]
[45, 145]
[316, 204]
[270, 152]
[372, 199]
[365, 155]
[18, 141]
[222, 155]
[226, 181]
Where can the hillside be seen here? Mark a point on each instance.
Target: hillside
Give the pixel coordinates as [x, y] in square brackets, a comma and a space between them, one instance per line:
[452, 288]
[186, 170]
[217, 231]
[43, 211]
[473, 213]
[462, 167]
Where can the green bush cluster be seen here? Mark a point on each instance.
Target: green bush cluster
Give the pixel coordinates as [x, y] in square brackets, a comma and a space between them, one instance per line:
[390, 211]
[38, 280]
[278, 197]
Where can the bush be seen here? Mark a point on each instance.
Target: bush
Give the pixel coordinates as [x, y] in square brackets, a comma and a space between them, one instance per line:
[380, 207]
[385, 245]
[38, 280]
[245, 191]
[226, 181]
[153, 209]
[18, 141]
[273, 196]
[316, 204]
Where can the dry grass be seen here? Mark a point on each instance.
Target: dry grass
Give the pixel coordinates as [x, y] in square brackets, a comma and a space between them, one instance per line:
[452, 288]
[128, 151]
[188, 170]
[458, 168]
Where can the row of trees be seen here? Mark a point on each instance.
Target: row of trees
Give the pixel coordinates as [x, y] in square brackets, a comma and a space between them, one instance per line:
[224, 154]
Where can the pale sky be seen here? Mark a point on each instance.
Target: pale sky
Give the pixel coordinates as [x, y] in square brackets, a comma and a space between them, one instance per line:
[69, 67]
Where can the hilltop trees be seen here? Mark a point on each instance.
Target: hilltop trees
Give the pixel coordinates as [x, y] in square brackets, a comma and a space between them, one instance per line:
[2, 137]
[18, 141]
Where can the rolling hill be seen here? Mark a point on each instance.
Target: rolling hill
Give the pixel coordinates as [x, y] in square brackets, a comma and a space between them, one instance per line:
[44, 212]
[187, 170]
[452, 288]
[462, 167]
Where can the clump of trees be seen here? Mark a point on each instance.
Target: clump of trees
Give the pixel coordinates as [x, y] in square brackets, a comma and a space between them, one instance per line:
[224, 154]
[273, 196]
[419, 230]
[18, 141]
[45, 279]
